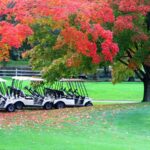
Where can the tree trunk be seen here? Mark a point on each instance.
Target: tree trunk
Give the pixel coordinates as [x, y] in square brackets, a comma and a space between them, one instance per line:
[146, 97]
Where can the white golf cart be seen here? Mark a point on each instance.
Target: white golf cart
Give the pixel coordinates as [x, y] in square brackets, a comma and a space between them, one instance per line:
[72, 93]
[28, 96]
[6, 103]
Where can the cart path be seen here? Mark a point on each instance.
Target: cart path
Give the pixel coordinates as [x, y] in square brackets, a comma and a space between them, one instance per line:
[114, 101]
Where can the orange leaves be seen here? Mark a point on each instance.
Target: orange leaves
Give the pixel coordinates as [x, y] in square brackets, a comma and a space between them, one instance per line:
[4, 52]
[59, 43]
[13, 35]
[132, 65]
[79, 41]
[73, 61]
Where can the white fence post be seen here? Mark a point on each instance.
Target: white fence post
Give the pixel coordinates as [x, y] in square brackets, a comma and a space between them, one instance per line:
[16, 72]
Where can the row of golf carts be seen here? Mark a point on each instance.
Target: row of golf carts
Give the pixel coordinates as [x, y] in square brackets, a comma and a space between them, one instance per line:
[34, 92]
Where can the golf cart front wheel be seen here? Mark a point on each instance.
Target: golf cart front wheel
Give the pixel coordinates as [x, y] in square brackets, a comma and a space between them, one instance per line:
[60, 105]
[48, 106]
[88, 104]
[10, 108]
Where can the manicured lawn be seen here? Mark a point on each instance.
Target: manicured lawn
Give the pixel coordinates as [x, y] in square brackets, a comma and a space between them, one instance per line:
[122, 91]
[111, 127]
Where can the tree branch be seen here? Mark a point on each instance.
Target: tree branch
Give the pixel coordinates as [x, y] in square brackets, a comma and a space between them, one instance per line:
[123, 62]
[142, 72]
[129, 54]
[138, 74]
[136, 46]
[132, 50]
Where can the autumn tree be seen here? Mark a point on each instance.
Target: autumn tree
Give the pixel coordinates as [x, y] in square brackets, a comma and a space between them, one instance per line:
[83, 35]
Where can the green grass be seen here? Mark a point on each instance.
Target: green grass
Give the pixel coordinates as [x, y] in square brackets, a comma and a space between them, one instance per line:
[113, 127]
[13, 63]
[122, 91]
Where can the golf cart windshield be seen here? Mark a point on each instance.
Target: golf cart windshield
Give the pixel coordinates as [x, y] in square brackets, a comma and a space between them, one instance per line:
[76, 85]
[3, 87]
[20, 82]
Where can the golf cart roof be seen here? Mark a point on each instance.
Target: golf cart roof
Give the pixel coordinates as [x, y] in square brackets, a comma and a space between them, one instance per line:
[71, 80]
[2, 80]
[22, 78]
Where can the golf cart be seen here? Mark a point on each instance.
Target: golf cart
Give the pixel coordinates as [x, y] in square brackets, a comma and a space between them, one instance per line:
[5, 102]
[28, 96]
[72, 93]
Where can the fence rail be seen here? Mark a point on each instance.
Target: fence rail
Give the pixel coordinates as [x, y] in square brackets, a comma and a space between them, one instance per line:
[18, 72]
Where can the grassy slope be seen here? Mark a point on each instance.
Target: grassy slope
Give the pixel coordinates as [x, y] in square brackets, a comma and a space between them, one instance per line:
[115, 127]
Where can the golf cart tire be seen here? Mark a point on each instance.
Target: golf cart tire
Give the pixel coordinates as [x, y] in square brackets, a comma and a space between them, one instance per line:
[88, 104]
[10, 108]
[48, 106]
[60, 105]
[19, 105]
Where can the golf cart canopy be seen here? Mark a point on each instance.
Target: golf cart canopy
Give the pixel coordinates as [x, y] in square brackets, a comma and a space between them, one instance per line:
[71, 80]
[2, 80]
[22, 78]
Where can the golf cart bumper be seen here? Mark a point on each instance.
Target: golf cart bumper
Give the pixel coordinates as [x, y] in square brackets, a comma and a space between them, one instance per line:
[2, 105]
[2, 108]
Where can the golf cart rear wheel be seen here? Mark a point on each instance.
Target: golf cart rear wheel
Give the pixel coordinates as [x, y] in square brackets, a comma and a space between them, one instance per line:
[19, 105]
[60, 105]
[88, 104]
[48, 106]
[10, 108]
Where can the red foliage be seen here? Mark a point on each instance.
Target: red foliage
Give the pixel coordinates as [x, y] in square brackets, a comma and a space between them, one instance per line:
[140, 37]
[134, 6]
[109, 50]
[13, 33]
[124, 22]
[91, 19]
